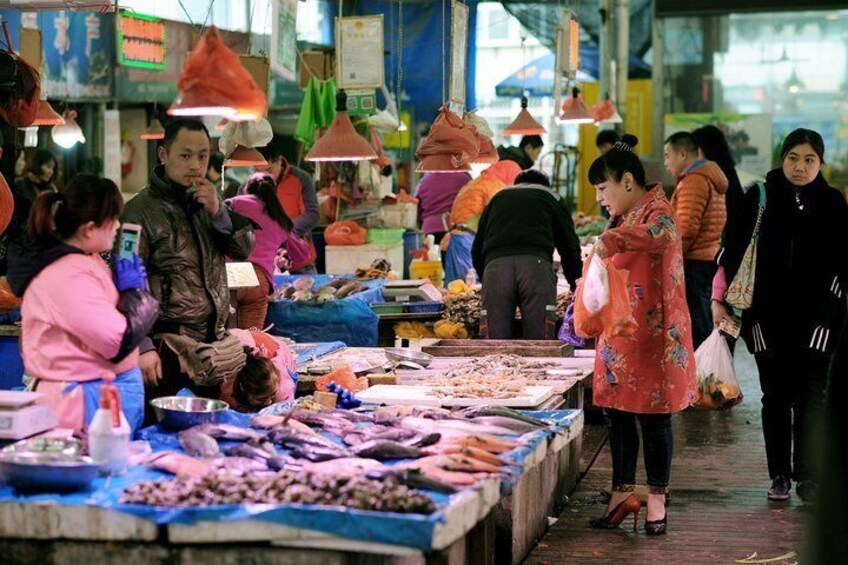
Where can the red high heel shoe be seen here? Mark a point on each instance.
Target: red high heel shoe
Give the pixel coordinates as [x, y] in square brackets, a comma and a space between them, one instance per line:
[616, 516]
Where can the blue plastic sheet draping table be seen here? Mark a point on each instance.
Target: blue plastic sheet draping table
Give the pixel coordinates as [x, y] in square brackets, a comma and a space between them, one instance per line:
[349, 320]
[409, 530]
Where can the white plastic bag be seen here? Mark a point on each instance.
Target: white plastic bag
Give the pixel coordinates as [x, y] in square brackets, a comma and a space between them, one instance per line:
[718, 388]
[596, 286]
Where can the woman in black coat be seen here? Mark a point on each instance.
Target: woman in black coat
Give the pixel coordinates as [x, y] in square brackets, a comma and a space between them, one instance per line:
[799, 302]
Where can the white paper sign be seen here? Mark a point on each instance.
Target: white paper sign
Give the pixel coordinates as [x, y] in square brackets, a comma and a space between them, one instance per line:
[241, 275]
[284, 39]
[112, 146]
[359, 51]
[459, 51]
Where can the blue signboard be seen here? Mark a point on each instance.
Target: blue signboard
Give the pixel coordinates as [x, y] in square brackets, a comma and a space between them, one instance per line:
[78, 51]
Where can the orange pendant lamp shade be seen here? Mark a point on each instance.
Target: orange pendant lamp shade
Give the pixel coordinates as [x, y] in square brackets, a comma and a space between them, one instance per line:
[47, 116]
[341, 142]
[154, 130]
[215, 83]
[524, 123]
[451, 146]
[574, 111]
[245, 157]
[605, 112]
[488, 152]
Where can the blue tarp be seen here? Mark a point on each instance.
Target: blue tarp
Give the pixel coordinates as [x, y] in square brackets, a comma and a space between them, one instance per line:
[350, 320]
[408, 530]
[537, 78]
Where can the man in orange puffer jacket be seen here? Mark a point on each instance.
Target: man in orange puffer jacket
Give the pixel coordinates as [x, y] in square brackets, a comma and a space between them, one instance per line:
[699, 205]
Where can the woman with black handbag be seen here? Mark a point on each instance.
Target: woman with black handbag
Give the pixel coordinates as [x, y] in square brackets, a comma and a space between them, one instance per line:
[794, 310]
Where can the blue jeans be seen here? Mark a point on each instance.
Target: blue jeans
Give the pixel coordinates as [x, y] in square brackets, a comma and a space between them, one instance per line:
[624, 445]
[699, 287]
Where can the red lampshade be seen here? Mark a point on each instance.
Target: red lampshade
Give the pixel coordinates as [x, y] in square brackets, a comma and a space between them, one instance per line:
[47, 116]
[154, 130]
[451, 146]
[341, 142]
[488, 152]
[605, 112]
[245, 157]
[524, 123]
[574, 111]
[213, 82]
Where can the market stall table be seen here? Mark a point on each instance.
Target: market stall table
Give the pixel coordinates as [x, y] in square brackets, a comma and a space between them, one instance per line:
[461, 534]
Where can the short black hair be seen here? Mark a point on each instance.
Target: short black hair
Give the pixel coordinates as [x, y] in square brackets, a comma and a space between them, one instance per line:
[619, 160]
[174, 127]
[533, 176]
[533, 141]
[216, 161]
[271, 152]
[607, 137]
[683, 141]
[801, 136]
[39, 159]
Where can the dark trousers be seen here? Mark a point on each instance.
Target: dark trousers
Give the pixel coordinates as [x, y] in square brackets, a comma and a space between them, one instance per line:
[624, 445]
[793, 381]
[522, 281]
[699, 286]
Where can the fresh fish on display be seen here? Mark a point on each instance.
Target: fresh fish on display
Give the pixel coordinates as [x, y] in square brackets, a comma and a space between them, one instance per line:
[412, 478]
[438, 474]
[459, 463]
[349, 415]
[247, 451]
[392, 414]
[227, 432]
[385, 449]
[177, 464]
[287, 437]
[472, 452]
[424, 440]
[345, 468]
[515, 426]
[491, 444]
[317, 453]
[354, 438]
[198, 444]
[268, 422]
[242, 465]
[473, 427]
[311, 418]
[502, 411]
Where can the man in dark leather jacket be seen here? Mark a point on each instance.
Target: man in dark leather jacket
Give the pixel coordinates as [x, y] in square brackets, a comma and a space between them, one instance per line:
[187, 233]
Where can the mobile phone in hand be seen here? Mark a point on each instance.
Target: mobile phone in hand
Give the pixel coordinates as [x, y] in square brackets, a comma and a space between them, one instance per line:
[130, 237]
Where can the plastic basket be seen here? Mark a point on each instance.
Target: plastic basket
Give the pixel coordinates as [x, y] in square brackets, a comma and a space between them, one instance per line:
[425, 307]
[385, 236]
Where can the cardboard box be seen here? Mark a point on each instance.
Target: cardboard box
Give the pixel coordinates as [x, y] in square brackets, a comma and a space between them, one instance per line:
[321, 64]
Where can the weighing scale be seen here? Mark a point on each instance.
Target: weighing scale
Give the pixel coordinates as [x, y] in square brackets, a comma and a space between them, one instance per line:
[413, 289]
[21, 417]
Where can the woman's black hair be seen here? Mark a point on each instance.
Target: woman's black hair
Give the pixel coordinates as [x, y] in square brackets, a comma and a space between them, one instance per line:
[87, 198]
[619, 160]
[264, 187]
[801, 136]
[39, 159]
[258, 377]
[713, 144]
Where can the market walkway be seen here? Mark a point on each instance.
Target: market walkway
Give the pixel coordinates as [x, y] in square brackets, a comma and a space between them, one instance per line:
[718, 511]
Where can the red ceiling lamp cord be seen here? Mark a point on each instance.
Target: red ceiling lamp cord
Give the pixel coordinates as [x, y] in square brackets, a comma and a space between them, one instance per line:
[341, 142]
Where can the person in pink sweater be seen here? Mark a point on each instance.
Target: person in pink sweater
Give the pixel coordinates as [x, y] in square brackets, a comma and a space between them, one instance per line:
[267, 377]
[82, 325]
[259, 202]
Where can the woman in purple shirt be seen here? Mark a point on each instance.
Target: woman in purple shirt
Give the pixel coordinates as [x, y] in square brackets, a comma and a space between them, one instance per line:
[436, 193]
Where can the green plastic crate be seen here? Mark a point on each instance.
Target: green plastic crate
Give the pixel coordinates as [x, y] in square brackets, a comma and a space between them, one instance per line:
[385, 236]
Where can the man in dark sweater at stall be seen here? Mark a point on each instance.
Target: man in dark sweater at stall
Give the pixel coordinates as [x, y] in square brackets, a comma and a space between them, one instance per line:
[513, 254]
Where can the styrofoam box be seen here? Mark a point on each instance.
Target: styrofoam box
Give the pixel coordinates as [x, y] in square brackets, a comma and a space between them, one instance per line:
[400, 215]
[345, 259]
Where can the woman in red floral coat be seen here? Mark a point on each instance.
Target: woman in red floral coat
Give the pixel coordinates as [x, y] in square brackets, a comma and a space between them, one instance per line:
[650, 375]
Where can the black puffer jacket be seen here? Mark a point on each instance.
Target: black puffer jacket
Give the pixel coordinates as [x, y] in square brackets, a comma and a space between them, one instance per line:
[185, 257]
[801, 280]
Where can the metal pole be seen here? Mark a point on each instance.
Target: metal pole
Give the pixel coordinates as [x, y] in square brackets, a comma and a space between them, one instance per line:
[657, 88]
[622, 22]
[605, 48]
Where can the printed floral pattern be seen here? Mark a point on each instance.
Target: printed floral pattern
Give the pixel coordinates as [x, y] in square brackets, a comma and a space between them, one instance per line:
[653, 371]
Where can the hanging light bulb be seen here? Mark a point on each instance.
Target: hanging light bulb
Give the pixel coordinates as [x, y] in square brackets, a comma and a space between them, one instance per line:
[47, 116]
[154, 130]
[574, 111]
[30, 136]
[68, 134]
[794, 84]
[524, 123]
[341, 142]
[245, 157]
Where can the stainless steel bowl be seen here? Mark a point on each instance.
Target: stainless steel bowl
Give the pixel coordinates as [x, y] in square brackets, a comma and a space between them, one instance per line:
[60, 445]
[180, 413]
[53, 472]
[398, 355]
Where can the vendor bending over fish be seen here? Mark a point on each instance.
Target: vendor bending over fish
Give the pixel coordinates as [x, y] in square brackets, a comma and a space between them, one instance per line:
[82, 325]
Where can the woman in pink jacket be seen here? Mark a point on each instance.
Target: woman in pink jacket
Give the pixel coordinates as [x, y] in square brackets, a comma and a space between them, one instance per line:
[260, 203]
[82, 325]
[650, 375]
[268, 375]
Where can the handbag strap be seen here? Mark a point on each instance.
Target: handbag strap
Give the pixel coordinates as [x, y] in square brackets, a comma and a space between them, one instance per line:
[760, 211]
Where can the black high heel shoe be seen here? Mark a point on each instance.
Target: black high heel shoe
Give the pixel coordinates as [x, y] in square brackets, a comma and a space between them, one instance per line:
[657, 527]
[616, 516]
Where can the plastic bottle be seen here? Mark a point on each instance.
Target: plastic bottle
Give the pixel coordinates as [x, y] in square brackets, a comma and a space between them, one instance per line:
[109, 433]
[471, 277]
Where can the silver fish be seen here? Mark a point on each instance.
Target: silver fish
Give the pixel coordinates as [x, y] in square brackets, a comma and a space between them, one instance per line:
[228, 432]
[383, 450]
[198, 444]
